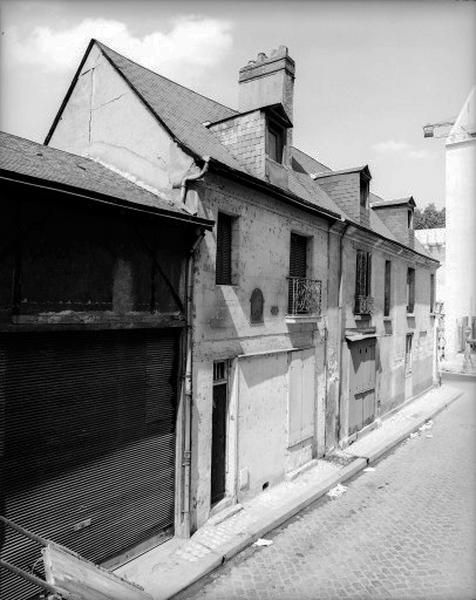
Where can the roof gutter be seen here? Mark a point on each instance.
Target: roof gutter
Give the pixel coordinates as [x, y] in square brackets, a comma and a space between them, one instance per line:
[264, 186]
[103, 199]
[396, 242]
[187, 178]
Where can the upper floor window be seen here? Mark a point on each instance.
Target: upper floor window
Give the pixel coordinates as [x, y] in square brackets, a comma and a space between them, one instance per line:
[410, 290]
[364, 191]
[224, 247]
[275, 136]
[388, 288]
[410, 218]
[432, 292]
[363, 278]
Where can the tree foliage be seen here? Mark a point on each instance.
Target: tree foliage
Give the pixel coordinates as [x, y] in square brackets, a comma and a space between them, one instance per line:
[430, 217]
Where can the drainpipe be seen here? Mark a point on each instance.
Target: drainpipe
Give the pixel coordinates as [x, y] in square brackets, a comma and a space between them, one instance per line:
[185, 180]
[341, 323]
[187, 386]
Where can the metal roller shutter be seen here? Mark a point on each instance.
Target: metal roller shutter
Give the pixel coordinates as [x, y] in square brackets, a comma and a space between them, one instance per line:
[89, 453]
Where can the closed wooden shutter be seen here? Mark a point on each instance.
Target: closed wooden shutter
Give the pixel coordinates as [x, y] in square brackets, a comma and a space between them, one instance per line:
[387, 290]
[297, 259]
[223, 259]
[89, 452]
[297, 266]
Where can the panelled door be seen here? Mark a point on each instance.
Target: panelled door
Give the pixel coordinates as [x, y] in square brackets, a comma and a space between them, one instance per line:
[362, 384]
[89, 442]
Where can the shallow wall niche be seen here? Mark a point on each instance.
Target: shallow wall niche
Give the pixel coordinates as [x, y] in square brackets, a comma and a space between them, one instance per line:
[256, 306]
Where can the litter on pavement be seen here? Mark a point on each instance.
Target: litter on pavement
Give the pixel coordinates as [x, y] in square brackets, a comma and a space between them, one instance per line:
[369, 469]
[337, 491]
[263, 542]
[429, 435]
[425, 426]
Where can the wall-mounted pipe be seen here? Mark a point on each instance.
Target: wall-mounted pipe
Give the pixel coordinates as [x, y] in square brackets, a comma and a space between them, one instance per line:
[188, 388]
[187, 178]
[341, 320]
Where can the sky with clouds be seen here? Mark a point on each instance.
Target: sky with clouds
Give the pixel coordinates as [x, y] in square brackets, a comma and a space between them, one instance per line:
[369, 73]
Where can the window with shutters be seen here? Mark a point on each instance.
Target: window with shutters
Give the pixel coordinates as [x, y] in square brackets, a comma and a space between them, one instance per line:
[410, 290]
[432, 292]
[304, 294]
[388, 288]
[363, 278]
[224, 249]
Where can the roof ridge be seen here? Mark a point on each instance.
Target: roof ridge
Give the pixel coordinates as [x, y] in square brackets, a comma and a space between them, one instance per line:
[107, 48]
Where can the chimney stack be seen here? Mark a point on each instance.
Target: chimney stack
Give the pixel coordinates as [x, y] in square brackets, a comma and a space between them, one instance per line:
[268, 80]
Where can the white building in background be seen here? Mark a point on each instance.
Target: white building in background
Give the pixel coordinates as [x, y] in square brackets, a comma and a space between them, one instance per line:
[460, 294]
[434, 242]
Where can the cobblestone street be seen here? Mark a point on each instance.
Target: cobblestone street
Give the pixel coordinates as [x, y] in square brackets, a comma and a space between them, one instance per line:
[405, 530]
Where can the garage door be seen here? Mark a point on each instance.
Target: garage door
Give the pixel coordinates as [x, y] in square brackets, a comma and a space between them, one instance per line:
[89, 442]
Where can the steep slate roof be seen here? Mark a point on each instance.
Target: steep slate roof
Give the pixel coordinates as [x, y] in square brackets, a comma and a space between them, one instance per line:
[184, 113]
[22, 157]
[180, 109]
[302, 162]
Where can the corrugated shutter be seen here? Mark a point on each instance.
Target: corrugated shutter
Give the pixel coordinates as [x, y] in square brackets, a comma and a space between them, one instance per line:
[223, 259]
[90, 435]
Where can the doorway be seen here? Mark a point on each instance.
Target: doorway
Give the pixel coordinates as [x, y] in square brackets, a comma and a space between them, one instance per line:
[219, 418]
[362, 384]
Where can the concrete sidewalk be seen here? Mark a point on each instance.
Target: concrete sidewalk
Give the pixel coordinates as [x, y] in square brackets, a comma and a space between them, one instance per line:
[166, 570]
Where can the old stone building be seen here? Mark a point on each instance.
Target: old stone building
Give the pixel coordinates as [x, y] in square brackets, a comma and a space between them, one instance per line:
[92, 341]
[311, 298]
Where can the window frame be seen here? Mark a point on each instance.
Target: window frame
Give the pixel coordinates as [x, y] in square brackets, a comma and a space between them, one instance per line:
[279, 133]
[411, 277]
[224, 250]
[387, 293]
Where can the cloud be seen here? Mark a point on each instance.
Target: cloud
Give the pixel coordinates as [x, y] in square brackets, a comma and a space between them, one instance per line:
[418, 154]
[390, 146]
[191, 45]
[400, 147]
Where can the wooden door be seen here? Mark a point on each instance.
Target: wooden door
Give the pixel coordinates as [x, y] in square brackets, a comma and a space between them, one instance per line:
[362, 384]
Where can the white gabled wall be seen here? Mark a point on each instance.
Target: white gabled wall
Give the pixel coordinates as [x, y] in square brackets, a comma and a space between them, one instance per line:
[105, 120]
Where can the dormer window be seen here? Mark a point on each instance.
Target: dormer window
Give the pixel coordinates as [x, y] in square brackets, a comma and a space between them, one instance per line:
[275, 136]
[364, 191]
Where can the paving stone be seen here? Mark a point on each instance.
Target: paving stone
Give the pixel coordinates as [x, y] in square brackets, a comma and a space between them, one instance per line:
[404, 531]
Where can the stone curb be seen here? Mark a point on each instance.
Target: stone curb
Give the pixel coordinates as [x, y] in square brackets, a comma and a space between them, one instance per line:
[280, 515]
[382, 449]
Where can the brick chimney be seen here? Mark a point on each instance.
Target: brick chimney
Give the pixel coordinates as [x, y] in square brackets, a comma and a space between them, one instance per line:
[268, 80]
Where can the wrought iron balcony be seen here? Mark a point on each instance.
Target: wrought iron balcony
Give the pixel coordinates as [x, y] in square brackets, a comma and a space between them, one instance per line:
[364, 305]
[304, 296]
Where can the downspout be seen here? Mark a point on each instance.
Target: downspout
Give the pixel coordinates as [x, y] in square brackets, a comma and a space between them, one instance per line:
[185, 180]
[187, 387]
[341, 322]
[187, 384]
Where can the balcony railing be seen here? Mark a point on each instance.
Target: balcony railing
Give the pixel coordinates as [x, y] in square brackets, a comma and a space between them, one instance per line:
[304, 296]
[364, 305]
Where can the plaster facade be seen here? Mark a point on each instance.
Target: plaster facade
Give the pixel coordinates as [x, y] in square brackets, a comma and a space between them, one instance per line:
[260, 357]
[287, 379]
